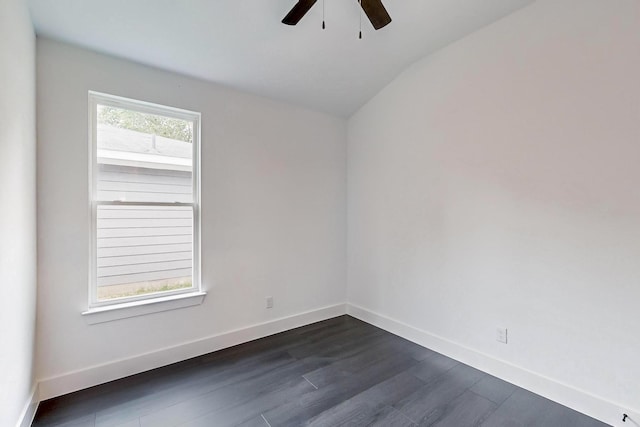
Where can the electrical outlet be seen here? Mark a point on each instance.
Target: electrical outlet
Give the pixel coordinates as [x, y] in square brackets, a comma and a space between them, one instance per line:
[501, 335]
[269, 302]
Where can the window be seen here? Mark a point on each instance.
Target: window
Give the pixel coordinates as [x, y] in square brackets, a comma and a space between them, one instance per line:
[144, 201]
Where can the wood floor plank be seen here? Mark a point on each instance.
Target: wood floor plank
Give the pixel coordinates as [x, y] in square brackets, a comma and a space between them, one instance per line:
[309, 405]
[82, 421]
[140, 403]
[414, 350]
[468, 409]
[494, 389]
[526, 409]
[348, 366]
[130, 423]
[367, 406]
[336, 345]
[354, 413]
[230, 396]
[233, 415]
[433, 367]
[391, 417]
[429, 404]
[258, 421]
[67, 416]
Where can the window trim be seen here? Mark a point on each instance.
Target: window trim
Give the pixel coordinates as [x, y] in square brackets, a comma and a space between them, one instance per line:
[141, 308]
[95, 99]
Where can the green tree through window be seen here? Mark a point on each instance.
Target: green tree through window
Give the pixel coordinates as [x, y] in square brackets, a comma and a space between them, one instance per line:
[177, 129]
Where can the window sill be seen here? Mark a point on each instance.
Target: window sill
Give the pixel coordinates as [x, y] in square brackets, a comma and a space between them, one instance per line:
[141, 308]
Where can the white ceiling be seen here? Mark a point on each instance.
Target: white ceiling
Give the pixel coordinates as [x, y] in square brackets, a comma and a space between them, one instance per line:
[242, 44]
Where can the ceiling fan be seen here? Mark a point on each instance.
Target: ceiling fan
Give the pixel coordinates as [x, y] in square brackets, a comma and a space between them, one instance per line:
[374, 9]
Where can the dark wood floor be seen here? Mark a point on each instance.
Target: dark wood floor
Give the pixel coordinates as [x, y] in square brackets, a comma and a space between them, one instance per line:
[333, 373]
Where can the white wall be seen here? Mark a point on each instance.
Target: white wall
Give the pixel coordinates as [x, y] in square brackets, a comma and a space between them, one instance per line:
[496, 183]
[273, 210]
[18, 209]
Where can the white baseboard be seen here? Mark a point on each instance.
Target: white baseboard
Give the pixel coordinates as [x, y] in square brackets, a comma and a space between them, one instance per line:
[84, 378]
[579, 400]
[30, 407]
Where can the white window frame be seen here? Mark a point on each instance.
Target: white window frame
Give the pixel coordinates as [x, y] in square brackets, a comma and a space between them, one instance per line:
[95, 99]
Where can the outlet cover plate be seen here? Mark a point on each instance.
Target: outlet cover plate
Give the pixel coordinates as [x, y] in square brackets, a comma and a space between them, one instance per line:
[501, 335]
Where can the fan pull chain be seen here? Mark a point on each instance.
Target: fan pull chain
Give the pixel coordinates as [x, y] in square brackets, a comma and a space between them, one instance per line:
[323, 25]
[360, 35]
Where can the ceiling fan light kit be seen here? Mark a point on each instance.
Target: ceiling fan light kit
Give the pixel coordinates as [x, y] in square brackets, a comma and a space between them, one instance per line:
[374, 9]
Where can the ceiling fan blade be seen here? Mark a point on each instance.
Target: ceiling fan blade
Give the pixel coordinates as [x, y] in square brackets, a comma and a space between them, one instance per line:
[375, 11]
[299, 10]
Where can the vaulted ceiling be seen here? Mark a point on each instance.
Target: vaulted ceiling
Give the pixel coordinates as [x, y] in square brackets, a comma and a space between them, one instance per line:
[243, 44]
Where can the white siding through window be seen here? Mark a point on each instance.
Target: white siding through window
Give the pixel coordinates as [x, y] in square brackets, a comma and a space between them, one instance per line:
[142, 243]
